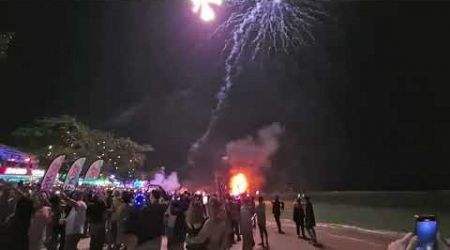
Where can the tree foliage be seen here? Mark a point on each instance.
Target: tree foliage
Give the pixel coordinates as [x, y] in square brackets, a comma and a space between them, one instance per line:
[50, 137]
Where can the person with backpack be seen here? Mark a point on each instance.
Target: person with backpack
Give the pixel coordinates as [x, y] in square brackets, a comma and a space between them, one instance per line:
[195, 219]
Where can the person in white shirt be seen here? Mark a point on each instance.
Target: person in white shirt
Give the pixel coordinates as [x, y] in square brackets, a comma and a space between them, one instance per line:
[75, 220]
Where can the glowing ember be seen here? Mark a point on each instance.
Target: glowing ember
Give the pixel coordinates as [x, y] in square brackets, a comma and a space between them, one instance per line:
[238, 184]
[206, 11]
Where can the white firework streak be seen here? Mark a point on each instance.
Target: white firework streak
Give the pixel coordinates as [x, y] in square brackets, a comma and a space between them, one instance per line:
[256, 26]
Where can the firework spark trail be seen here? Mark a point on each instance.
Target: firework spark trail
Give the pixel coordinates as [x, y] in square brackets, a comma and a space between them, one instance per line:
[255, 26]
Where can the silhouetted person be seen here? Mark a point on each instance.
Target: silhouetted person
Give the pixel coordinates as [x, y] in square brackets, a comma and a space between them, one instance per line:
[55, 229]
[261, 220]
[16, 228]
[246, 225]
[277, 207]
[96, 214]
[310, 220]
[124, 212]
[40, 218]
[7, 203]
[151, 224]
[235, 216]
[176, 226]
[299, 218]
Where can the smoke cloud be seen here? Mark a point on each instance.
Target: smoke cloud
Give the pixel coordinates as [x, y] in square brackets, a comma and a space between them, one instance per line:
[169, 183]
[125, 116]
[255, 151]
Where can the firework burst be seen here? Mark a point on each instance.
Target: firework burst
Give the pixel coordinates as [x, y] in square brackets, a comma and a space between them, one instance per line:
[254, 27]
[203, 7]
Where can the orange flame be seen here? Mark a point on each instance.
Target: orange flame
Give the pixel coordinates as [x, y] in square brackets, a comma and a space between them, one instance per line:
[238, 184]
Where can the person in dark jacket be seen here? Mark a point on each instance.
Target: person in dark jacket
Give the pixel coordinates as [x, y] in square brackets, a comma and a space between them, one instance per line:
[7, 203]
[144, 225]
[130, 225]
[310, 220]
[235, 216]
[16, 229]
[96, 214]
[151, 225]
[299, 218]
[261, 219]
[277, 208]
[55, 229]
[176, 226]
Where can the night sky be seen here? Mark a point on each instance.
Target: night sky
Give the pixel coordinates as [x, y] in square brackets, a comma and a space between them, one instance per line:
[364, 107]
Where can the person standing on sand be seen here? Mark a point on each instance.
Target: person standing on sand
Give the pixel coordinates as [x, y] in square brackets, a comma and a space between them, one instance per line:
[261, 220]
[310, 220]
[299, 218]
[277, 207]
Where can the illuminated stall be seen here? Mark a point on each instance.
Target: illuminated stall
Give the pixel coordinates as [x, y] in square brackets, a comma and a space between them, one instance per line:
[17, 166]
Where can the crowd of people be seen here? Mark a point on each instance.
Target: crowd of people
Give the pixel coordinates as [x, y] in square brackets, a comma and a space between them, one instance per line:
[117, 219]
[131, 219]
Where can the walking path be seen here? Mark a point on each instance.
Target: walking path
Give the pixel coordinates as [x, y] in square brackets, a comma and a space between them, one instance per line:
[332, 237]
